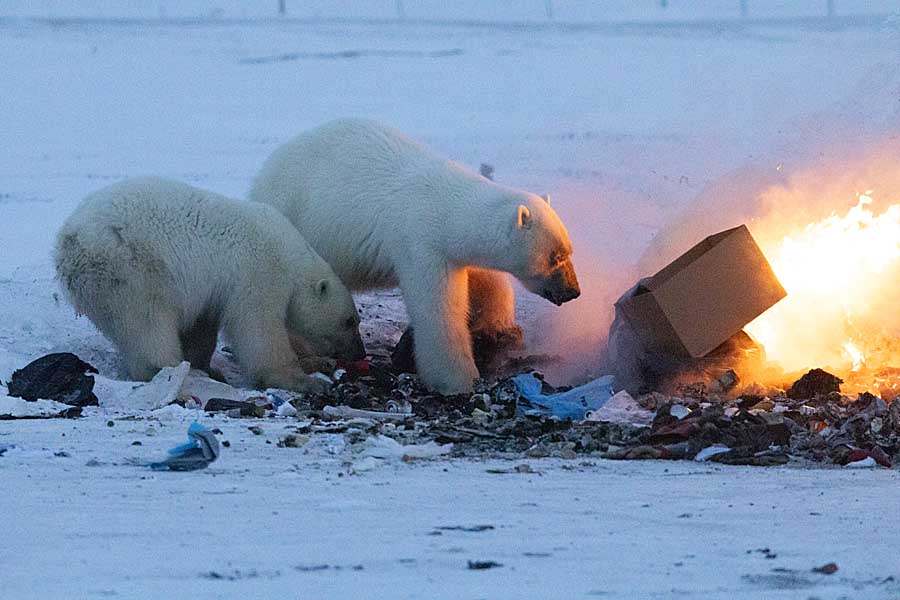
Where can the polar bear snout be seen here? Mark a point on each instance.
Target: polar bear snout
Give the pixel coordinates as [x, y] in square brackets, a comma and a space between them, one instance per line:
[562, 284]
[355, 351]
[346, 343]
[341, 342]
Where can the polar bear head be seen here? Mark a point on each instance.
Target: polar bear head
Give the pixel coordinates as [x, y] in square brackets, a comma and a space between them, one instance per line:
[322, 312]
[541, 252]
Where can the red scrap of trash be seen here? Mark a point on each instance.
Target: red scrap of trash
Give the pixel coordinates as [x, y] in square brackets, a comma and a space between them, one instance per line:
[876, 453]
[676, 432]
[355, 368]
[880, 456]
[828, 569]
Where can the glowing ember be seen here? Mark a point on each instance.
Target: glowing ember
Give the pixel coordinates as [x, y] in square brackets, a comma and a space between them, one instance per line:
[842, 275]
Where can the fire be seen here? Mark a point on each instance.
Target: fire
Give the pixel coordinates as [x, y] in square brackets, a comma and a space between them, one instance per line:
[842, 275]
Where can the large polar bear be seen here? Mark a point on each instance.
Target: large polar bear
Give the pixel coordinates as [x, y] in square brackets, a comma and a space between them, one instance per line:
[160, 266]
[385, 211]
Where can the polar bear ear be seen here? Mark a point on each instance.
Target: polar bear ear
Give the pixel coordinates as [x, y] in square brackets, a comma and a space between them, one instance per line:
[546, 198]
[322, 288]
[524, 218]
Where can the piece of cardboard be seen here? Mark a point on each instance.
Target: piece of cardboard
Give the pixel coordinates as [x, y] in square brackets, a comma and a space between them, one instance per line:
[703, 297]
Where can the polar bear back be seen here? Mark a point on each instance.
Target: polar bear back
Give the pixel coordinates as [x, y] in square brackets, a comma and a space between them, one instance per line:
[196, 247]
[362, 193]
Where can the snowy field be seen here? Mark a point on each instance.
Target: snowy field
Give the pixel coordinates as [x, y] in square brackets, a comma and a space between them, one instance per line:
[623, 125]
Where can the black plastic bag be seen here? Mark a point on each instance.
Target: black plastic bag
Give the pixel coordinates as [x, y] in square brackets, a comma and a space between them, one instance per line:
[61, 376]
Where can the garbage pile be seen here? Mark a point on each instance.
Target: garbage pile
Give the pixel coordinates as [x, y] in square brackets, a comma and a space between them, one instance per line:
[389, 415]
[526, 416]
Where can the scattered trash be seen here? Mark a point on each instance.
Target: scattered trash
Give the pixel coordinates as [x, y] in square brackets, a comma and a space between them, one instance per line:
[244, 407]
[348, 412]
[316, 567]
[766, 553]
[173, 412]
[61, 377]
[679, 411]
[356, 368]
[724, 382]
[157, 393]
[815, 383]
[256, 406]
[373, 416]
[479, 565]
[322, 376]
[571, 404]
[385, 448]
[470, 529]
[710, 451]
[199, 386]
[827, 569]
[201, 449]
[523, 468]
[293, 440]
[865, 463]
[286, 409]
[621, 408]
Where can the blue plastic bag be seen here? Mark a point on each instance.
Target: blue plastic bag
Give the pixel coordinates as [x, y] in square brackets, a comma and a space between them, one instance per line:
[564, 405]
[201, 449]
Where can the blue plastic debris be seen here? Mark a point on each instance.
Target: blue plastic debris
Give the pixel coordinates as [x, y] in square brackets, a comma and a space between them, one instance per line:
[564, 405]
[201, 449]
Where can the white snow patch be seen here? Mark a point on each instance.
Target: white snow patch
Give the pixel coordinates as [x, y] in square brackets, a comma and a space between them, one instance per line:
[19, 407]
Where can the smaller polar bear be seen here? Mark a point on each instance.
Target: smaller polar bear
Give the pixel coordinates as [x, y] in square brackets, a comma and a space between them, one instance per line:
[160, 266]
[384, 211]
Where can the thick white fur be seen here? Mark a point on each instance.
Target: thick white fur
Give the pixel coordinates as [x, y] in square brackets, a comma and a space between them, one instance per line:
[160, 266]
[384, 210]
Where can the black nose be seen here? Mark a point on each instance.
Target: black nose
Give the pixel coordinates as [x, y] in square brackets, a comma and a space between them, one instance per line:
[551, 296]
[560, 296]
[570, 293]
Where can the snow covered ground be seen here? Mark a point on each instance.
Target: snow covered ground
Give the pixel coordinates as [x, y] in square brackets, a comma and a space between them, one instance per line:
[623, 126]
[290, 522]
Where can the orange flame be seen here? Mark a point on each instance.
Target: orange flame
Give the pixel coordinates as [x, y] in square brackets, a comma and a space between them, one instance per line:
[841, 274]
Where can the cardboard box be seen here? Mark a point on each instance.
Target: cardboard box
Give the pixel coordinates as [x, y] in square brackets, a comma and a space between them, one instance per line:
[703, 297]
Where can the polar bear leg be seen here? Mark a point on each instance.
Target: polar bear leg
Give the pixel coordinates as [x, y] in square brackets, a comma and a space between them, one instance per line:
[436, 298]
[148, 337]
[198, 343]
[263, 348]
[492, 308]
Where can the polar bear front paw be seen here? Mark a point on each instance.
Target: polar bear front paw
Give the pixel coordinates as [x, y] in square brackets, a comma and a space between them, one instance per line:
[489, 347]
